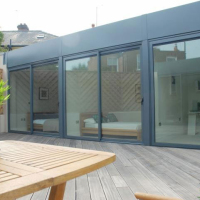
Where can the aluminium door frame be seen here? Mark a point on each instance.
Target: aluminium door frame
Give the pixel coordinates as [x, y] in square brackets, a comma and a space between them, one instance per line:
[98, 53]
[31, 66]
[162, 41]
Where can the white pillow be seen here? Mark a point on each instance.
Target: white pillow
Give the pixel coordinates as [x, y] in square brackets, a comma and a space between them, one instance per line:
[90, 120]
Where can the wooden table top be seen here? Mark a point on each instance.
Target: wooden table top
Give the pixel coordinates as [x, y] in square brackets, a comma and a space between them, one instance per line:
[28, 167]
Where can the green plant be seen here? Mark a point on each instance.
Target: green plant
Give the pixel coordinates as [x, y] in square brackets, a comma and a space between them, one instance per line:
[2, 49]
[3, 88]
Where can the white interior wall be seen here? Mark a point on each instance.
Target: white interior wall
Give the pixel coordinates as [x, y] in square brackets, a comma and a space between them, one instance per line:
[187, 73]
[170, 103]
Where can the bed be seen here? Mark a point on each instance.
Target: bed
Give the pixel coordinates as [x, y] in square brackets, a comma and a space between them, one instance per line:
[131, 129]
[44, 121]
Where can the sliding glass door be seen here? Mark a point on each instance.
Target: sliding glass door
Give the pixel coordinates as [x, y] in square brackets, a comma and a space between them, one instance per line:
[45, 99]
[115, 89]
[81, 97]
[121, 95]
[101, 97]
[20, 100]
[177, 92]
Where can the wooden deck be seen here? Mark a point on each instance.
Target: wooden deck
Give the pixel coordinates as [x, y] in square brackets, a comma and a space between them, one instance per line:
[166, 171]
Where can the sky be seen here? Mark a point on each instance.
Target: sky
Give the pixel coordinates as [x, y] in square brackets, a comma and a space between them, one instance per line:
[62, 17]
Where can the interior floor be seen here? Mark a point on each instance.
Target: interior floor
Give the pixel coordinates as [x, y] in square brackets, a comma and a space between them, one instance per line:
[176, 134]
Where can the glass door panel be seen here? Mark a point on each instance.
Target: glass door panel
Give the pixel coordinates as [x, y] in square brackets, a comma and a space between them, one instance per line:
[177, 92]
[121, 95]
[45, 99]
[20, 100]
[82, 97]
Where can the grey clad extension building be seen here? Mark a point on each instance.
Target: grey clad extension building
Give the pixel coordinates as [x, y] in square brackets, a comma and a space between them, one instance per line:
[133, 81]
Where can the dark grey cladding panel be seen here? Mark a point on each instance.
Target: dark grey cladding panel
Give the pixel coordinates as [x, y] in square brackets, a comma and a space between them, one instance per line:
[172, 21]
[126, 31]
[177, 20]
[36, 52]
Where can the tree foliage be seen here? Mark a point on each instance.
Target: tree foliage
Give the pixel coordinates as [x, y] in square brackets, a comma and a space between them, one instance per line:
[3, 89]
[2, 49]
[80, 67]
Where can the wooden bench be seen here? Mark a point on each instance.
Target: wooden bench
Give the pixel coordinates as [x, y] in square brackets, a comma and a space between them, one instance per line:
[143, 196]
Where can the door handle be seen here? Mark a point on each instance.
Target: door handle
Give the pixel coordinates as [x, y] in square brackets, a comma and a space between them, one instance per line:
[142, 100]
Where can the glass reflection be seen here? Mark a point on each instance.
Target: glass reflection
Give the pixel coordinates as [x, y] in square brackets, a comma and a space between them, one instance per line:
[177, 92]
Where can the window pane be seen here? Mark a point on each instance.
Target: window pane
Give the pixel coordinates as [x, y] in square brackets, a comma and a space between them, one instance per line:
[45, 99]
[121, 95]
[20, 100]
[82, 97]
[177, 86]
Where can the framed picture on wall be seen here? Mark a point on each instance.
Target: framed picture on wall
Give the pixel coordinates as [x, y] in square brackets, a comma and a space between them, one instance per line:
[43, 93]
[138, 93]
[138, 98]
[137, 88]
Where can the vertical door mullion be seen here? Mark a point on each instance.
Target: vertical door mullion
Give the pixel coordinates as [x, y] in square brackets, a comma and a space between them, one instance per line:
[8, 117]
[31, 99]
[142, 91]
[99, 96]
[64, 99]
[60, 96]
[145, 86]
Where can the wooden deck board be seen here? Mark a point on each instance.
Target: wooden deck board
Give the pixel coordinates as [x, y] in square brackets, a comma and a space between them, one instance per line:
[166, 171]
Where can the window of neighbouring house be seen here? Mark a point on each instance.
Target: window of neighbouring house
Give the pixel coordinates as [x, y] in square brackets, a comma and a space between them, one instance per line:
[113, 63]
[171, 58]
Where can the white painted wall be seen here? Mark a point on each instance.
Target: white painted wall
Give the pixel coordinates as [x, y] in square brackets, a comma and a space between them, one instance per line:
[170, 107]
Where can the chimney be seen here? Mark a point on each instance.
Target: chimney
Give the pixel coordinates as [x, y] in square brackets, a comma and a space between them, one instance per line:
[175, 47]
[93, 25]
[22, 27]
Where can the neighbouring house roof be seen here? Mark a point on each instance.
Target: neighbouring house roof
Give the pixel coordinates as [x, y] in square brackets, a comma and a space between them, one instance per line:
[24, 38]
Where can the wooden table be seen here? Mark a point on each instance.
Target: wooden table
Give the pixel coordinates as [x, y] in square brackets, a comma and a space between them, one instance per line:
[28, 167]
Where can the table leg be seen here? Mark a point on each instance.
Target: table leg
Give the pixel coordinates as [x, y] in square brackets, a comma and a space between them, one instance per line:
[57, 192]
